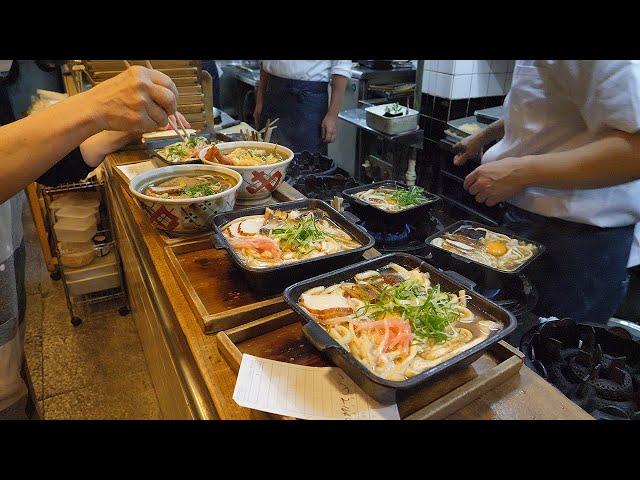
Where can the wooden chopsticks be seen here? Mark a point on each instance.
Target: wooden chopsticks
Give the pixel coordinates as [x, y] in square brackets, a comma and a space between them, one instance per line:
[174, 120]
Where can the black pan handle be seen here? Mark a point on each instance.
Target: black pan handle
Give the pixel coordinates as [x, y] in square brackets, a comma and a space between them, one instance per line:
[315, 333]
[216, 241]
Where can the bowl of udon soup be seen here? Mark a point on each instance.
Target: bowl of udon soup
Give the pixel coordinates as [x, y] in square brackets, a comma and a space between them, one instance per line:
[262, 165]
[184, 198]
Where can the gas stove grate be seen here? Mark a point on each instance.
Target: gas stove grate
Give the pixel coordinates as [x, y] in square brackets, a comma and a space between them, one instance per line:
[595, 367]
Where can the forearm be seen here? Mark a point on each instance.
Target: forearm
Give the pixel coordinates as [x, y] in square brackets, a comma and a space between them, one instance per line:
[262, 85]
[338, 87]
[95, 148]
[612, 160]
[495, 131]
[31, 146]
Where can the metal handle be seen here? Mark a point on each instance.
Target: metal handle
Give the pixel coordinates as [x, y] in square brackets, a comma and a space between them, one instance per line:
[217, 241]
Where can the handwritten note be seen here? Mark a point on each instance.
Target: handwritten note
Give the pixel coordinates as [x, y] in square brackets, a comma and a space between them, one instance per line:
[311, 393]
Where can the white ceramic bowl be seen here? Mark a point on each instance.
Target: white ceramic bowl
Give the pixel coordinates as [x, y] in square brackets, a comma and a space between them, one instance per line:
[181, 215]
[258, 182]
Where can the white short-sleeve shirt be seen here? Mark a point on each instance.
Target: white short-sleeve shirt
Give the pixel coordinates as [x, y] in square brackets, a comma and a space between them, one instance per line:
[557, 105]
[308, 70]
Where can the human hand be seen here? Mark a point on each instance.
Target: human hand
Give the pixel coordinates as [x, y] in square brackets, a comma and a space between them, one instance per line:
[494, 182]
[177, 116]
[329, 128]
[468, 147]
[138, 99]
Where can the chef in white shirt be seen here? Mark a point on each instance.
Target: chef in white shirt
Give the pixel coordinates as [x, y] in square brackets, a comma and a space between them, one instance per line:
[297, 92]
[568, 165]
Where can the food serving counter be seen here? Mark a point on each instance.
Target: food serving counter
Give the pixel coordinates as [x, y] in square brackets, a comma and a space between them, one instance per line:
[192, 378]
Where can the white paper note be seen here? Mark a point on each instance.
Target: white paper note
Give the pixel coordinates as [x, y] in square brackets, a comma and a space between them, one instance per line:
[132, 169]
[310, 393]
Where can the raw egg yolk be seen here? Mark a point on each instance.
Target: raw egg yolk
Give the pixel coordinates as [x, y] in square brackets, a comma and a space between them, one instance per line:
[495, 248]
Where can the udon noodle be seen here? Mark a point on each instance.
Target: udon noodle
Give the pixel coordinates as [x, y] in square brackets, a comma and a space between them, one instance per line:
[395, 321]
[244, 157]
[279, 237]
[489, 248]
[393, 199]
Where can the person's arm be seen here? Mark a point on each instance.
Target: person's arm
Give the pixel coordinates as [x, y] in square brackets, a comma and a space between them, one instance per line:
[262, 85]
[611, 160]
[330, 121]
[95, 148]
[136, 100]
[471, 146]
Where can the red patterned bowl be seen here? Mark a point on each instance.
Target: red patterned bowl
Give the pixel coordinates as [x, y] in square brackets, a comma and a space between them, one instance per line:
[258, 182]
[180, 215]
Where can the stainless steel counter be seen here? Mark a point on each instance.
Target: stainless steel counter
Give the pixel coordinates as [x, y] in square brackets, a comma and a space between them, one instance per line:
[251, 78]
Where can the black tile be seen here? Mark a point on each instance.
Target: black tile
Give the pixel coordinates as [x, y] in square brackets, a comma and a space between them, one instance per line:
[441, 108]
[436, 132]
[495, 101]
[458, 108]
[476, 104]
[426, 105]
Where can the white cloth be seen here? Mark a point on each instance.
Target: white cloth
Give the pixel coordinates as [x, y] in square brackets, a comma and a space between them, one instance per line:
[557, 105]
[308, 70]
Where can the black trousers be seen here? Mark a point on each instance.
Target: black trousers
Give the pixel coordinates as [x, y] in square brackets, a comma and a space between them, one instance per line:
[583, 273]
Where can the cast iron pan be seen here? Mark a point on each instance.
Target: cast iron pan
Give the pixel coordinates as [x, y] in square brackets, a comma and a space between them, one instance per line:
[463, 262]
[381, 389]
[276, 278]
[369, 212]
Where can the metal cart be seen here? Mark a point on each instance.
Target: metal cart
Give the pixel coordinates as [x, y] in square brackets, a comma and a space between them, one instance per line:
[75, 302]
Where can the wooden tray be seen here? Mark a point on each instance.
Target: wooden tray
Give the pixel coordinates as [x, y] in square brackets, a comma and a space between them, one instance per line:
[279, 337]
[215, 287]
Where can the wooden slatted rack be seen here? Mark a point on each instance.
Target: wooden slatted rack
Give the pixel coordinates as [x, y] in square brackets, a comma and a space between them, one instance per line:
[195, 90]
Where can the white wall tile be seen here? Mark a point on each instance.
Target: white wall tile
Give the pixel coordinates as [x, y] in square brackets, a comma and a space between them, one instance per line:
[446, 66]
[464, 67]
[425, 80]
[482, 66]
[433, 80]
[443, 87]
[431, 65]
[496, 84]
[479, 85]
[461, 86]
[500, 66]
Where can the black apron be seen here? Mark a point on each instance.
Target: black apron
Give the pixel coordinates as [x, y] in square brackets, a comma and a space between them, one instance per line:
[301, 106]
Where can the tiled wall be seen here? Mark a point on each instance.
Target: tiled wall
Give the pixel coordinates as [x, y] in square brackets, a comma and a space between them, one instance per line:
[457, 79]
[456, 89]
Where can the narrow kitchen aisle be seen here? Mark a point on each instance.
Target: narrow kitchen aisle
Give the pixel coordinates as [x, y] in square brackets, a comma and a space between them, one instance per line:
[94, 371]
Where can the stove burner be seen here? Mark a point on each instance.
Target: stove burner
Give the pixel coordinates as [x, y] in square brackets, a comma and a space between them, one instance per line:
[595, 367]
[389, 237]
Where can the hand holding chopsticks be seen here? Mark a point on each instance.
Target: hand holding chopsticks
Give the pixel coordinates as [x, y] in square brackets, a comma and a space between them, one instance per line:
[175, 121]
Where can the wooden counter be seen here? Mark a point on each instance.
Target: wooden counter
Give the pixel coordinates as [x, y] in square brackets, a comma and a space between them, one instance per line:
[191, 378]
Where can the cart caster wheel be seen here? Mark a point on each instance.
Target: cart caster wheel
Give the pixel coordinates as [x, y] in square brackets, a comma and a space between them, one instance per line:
[55, 275]
[75, 321]
[123, 311]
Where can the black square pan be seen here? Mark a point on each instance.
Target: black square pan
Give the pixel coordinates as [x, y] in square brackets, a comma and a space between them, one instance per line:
[466, 261]
[276, 278]
[366, 211]
[153, 148]
[381, 389]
